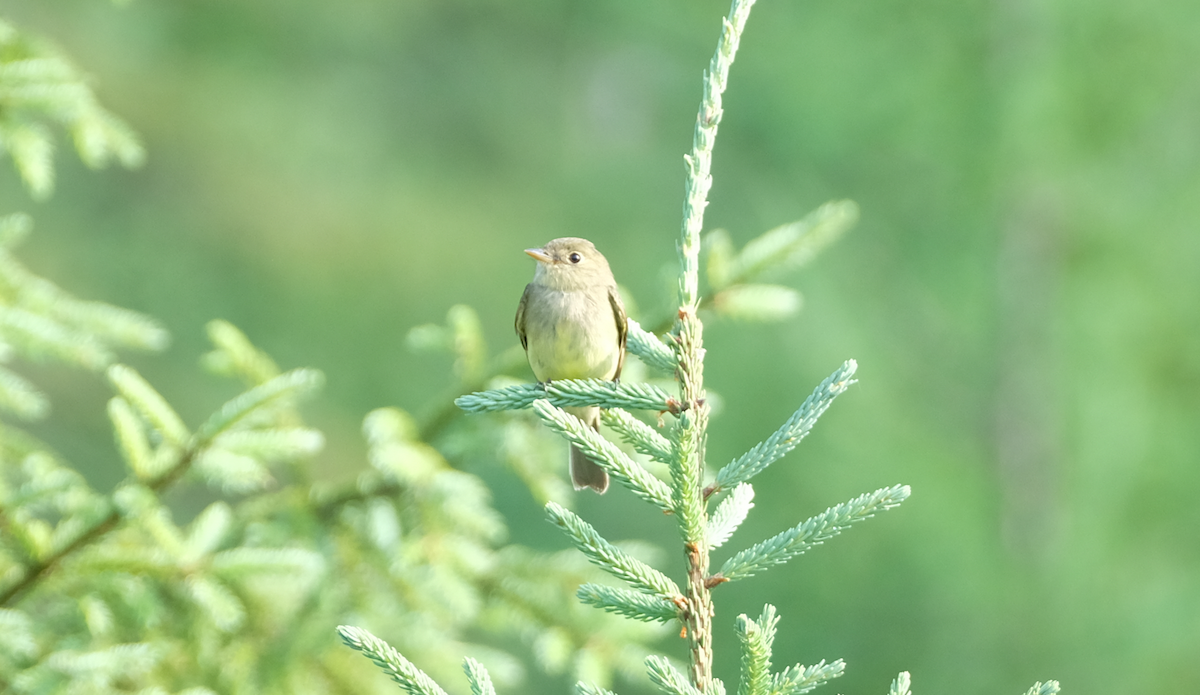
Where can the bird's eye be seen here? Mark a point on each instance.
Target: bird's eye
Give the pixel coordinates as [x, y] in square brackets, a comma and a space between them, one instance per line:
[574, 258]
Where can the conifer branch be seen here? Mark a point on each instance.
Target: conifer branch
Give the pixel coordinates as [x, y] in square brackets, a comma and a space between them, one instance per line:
[477, 675]
[111, 517]
[582, 688]
[570, 393]
[687, 468]
[175, 462]
[413, 680]
[901, 685]
[38, 85]
[668, 680]
[789, 435]
[289, 385]
[638, 434]
[631, 604]
[629, 472]
[609, 558]
[21, 398]
[814, 531]
[756, 637]
[142, 396]
[1047, 688]
[652, 351]
[730, 514]
[795, 680]
[784, 247]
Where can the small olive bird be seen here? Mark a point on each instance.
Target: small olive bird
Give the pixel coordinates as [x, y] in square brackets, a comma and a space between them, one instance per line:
[572, 325]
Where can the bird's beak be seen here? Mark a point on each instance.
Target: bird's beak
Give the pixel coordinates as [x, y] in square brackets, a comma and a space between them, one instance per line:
[539, 255]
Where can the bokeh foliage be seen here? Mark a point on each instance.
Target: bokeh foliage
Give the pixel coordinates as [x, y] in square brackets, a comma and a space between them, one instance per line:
[1020, 295]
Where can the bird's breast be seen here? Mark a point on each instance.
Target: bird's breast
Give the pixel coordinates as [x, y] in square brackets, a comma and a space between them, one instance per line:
[571, 334]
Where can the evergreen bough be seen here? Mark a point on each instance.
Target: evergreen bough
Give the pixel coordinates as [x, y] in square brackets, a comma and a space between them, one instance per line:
[104, 592]
[652, 596]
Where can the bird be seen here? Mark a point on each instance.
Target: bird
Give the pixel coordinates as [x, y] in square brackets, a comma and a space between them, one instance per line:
[572, 324]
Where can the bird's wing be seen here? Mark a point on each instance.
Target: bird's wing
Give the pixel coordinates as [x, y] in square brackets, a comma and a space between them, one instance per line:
[519, 323]
[614, 299]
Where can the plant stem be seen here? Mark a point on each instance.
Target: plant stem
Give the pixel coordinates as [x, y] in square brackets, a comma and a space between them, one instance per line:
[41, 569]
[688, 471]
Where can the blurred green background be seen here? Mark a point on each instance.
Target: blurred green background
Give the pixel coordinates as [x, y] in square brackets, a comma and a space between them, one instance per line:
[1021, 294]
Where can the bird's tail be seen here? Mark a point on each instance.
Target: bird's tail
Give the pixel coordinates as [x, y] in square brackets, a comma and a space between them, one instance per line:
[584, 471]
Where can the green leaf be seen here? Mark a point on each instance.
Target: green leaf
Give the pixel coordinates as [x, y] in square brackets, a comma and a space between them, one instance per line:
[467, 336]
[14, 228]
[246, 561]
[901, 685]
[32, 150]
[39, 86]
[720, 258]
[16, 634]
[119, 661]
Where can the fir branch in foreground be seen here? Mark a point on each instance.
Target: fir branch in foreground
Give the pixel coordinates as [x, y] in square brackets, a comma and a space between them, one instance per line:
[609, 558]
[631, 604]
[638, 434]
[569, 393]
[649, 348]
[664, 675]
[814, 531]
[481, 682]
[797, 679]
[730, 514]
[789, 435]
[412, 679]
[1047, 688]
[619, 465]
[756, 637]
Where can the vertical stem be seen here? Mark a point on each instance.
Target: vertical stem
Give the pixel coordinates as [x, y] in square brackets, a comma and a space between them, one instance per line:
[688, 471]
[690, 505]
